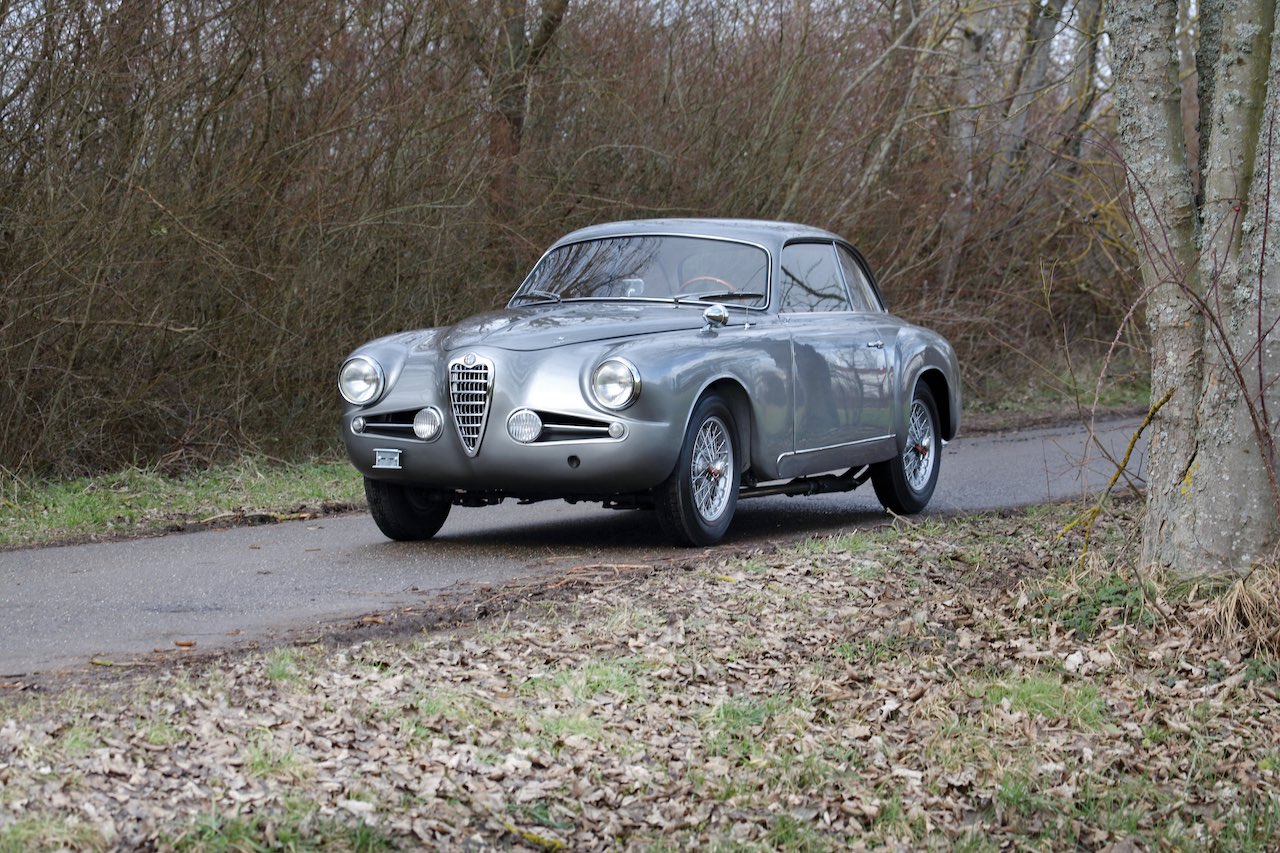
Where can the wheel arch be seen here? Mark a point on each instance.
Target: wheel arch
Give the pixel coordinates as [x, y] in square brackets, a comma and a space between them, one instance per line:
[933, 379]
[739, 403]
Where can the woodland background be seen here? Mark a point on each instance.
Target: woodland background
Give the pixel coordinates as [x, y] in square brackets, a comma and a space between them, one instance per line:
[205, 204]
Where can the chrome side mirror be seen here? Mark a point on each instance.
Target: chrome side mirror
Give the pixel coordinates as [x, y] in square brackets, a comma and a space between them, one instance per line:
[715, 315]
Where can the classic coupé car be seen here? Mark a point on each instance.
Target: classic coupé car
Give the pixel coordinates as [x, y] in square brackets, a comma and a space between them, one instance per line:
[677, 365]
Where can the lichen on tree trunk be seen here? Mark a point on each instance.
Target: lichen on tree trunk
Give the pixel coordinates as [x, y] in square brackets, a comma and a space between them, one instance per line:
[1211, 279]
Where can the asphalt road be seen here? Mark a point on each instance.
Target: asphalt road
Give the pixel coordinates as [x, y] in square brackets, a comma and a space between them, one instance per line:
[62, 607]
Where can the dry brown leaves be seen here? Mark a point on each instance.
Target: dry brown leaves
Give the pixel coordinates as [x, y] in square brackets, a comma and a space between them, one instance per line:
[957, 683]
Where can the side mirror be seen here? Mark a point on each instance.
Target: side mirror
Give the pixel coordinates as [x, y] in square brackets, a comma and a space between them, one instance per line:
[715, 315]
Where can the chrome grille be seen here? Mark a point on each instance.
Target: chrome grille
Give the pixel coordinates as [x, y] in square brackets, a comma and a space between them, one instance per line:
[470, 385]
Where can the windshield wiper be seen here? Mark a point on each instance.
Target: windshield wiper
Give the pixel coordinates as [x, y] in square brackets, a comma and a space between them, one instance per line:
[720, 294]
[544, 295]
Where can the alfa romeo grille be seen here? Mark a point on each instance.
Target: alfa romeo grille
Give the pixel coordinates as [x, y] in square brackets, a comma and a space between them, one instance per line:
[470, 384]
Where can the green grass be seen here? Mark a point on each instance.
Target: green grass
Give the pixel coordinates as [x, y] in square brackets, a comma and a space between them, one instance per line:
[598, 676]
[298, 829]
[48, 832]
[1041, 694]
[145, 501]
[284, 664]
[1086, 609]
[79, 740]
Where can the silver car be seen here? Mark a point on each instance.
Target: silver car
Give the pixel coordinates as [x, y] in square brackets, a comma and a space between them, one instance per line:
[670, 364]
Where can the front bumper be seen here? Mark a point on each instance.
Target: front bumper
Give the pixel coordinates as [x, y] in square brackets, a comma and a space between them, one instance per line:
[580, 465]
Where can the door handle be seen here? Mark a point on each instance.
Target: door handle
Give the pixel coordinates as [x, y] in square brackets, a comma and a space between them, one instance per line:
[875, 344]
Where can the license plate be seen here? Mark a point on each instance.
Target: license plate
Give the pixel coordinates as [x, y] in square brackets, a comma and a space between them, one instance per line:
[386, 458]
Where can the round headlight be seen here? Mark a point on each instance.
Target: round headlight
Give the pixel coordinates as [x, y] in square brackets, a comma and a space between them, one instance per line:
[360, 380]
[524, 426]
[427, 423]
[615, 383]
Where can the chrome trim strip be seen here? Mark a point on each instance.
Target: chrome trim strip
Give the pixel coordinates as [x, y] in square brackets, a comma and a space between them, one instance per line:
[782, 456]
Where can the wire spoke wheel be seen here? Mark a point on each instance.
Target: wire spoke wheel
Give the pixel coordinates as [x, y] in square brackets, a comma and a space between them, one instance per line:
[905, 483]
[710, 467]
[918, 458]
[696, 503]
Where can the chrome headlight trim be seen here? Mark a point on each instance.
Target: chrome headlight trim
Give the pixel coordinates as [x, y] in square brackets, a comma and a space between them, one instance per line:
[361, 380]
[615, 383]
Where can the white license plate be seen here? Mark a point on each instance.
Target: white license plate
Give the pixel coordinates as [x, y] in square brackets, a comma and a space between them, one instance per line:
[386, 459]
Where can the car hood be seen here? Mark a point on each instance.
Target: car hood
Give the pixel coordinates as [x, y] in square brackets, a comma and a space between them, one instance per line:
[542, 327]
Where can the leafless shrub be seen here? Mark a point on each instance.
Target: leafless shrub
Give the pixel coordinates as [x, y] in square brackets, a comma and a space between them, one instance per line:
[205, 203]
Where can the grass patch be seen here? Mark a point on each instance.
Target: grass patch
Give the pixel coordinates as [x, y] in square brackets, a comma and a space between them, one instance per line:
[140, 501]
[43, 832]
[263, 759]
[1045, 694]
[284, 665]
[617, 677]
[300, 828]
[1087, 606]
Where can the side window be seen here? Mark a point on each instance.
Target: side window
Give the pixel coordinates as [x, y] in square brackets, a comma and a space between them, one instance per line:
[810, 280]
[860, 289]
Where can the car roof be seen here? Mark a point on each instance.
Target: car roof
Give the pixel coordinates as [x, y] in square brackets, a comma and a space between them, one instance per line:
[768, 233]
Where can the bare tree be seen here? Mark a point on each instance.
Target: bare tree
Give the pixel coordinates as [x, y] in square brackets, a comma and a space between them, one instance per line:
[205, 203]
[507, 51]
[1212, 276]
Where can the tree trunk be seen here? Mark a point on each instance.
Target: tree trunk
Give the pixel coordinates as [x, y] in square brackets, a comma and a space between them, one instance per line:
[1212, 281]
[518, 54]
[963, 126]
[1033, 71]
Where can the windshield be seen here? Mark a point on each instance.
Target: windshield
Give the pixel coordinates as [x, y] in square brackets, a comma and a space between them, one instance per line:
[650, 267]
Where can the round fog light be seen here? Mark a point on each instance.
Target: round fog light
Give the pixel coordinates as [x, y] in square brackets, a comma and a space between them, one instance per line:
[427, 423]
[524, 426]
[357, 424]
[617, 430]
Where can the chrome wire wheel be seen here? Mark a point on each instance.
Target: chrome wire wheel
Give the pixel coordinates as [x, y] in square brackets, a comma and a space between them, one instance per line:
[710, 469]
[904, 483]
[918, 458]
[695, 504]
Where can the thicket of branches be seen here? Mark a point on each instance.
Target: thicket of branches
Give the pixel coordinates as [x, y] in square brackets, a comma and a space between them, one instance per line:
[204, 204]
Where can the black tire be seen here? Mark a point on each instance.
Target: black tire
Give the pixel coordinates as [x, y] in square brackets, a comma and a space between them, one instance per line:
[905, 483]
[406, 513]
[696, 503]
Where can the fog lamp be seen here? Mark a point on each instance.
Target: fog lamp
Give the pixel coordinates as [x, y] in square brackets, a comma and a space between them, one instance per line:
[427, 423]
[524, 426]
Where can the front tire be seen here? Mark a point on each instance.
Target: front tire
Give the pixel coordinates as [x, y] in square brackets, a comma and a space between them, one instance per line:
[406, 513]
[696, 503]
[905, 483]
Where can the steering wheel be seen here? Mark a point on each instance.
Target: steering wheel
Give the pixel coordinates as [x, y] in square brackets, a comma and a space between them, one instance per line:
[687, 284]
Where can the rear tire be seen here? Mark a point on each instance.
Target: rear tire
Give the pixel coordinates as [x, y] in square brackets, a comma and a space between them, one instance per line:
[696, 503]
[406, 513]
[905, 483]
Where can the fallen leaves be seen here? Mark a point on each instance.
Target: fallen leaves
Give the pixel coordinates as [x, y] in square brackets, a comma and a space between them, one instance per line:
[842, 694]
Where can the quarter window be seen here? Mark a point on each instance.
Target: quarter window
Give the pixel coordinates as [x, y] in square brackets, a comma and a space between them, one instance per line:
[810, 280]
[860, 289]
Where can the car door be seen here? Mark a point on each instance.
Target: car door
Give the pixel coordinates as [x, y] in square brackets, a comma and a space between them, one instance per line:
[838, 360]
[879, 330]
